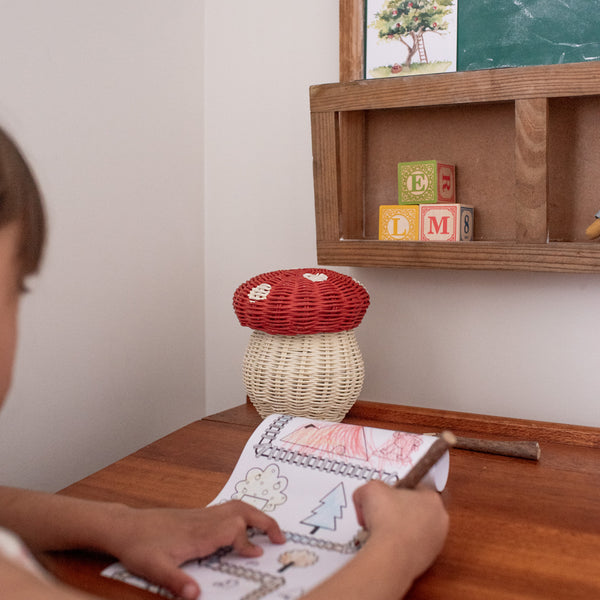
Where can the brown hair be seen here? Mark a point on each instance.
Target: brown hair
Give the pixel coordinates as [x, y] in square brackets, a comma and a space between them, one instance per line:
[21, 201]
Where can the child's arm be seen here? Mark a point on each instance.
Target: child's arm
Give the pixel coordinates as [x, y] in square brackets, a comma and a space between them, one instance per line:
[18, 584]
[406, 532]
[152, 543]
[406, 529]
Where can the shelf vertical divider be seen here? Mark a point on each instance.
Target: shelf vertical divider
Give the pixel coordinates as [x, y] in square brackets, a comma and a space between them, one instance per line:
[531, 170]
[352, 167]
[325, 144]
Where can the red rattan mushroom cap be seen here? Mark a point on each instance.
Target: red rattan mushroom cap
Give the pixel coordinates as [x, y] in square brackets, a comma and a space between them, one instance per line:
[300, 302]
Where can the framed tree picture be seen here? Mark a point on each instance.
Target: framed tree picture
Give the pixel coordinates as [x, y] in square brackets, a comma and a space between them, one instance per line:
[410, 35]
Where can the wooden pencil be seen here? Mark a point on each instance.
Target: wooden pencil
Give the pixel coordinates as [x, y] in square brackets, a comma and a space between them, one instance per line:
[444, 441]
[515, 448]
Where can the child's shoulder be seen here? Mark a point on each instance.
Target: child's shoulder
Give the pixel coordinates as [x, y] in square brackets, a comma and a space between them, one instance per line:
[13, 549]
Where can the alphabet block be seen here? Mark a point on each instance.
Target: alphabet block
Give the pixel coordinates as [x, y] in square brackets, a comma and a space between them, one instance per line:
[399, 222]
[446, 223]
[426, 182]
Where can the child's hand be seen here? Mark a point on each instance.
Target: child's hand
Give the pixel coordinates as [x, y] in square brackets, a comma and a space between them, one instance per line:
[414, 522]
[406, 530]
[153, 543]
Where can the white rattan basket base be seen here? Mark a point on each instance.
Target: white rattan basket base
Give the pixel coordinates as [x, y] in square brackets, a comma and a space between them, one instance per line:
[318, 376]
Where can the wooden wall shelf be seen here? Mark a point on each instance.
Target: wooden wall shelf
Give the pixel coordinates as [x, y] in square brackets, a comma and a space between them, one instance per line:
[526, 145]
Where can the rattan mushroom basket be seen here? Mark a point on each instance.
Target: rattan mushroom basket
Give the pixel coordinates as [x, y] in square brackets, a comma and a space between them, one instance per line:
[303, 358]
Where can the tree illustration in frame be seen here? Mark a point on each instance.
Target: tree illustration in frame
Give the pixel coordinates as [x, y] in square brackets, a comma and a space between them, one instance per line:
[330, 508]
[408, 22]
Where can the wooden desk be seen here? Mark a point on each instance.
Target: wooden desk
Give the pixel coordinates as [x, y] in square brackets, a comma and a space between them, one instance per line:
[519, 529]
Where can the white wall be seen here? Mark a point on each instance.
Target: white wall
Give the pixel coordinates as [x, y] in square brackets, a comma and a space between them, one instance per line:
[509, 344]
[258, 195]
[512, 344]
[106, 100]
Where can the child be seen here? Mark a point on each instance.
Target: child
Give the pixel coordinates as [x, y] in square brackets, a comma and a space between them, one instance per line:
[407, 528]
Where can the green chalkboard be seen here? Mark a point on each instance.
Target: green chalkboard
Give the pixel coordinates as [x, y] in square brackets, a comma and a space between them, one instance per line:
[514, 33]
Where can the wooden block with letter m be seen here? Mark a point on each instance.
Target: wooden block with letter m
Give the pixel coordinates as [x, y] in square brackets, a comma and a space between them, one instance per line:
[446, 223]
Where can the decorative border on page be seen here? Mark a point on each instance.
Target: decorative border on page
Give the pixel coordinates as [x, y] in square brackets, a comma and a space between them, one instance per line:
[309, 540]
[267, 582]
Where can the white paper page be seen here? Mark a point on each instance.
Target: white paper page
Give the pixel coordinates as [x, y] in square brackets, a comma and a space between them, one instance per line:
[303, 472]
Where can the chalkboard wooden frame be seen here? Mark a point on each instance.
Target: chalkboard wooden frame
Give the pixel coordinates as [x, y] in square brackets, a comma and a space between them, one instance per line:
[352, 50]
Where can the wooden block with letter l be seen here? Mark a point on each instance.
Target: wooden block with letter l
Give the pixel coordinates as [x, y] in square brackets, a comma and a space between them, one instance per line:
[426, 182]
[446, 223]
[399, 222]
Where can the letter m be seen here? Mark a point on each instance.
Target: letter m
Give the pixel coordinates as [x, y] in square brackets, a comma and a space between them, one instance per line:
[437, 227]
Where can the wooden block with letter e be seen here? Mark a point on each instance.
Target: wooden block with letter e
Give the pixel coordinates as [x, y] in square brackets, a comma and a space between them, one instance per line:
[399, 222]
[446, 223]
[426, 182]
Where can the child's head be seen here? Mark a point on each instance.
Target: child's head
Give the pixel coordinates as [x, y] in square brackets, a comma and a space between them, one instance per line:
[21, 203]
[22, 233]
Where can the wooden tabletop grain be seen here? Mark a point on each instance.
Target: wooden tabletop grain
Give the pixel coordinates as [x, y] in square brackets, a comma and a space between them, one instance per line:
[518, 528]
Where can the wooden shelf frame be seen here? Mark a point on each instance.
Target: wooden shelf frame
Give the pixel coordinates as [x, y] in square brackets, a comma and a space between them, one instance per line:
[341, 114]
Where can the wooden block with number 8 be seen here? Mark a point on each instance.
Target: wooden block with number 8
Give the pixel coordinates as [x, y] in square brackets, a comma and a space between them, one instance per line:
[446, 223]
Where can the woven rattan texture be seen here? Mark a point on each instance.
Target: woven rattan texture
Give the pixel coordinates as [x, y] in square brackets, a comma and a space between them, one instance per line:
[301, 301]
[318, 376]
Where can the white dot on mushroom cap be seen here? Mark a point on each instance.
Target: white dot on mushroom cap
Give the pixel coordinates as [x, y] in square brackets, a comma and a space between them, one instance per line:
[316, 277]
[260, 292]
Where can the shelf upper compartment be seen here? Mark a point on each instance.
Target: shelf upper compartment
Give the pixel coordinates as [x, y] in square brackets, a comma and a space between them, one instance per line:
[525, 143]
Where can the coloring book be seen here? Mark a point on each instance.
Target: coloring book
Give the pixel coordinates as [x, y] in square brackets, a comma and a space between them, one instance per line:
[302, 472]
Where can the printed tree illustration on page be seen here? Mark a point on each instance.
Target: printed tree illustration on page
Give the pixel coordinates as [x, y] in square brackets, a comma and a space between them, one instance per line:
[329, 510]
[263, 488]
[297, 558]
